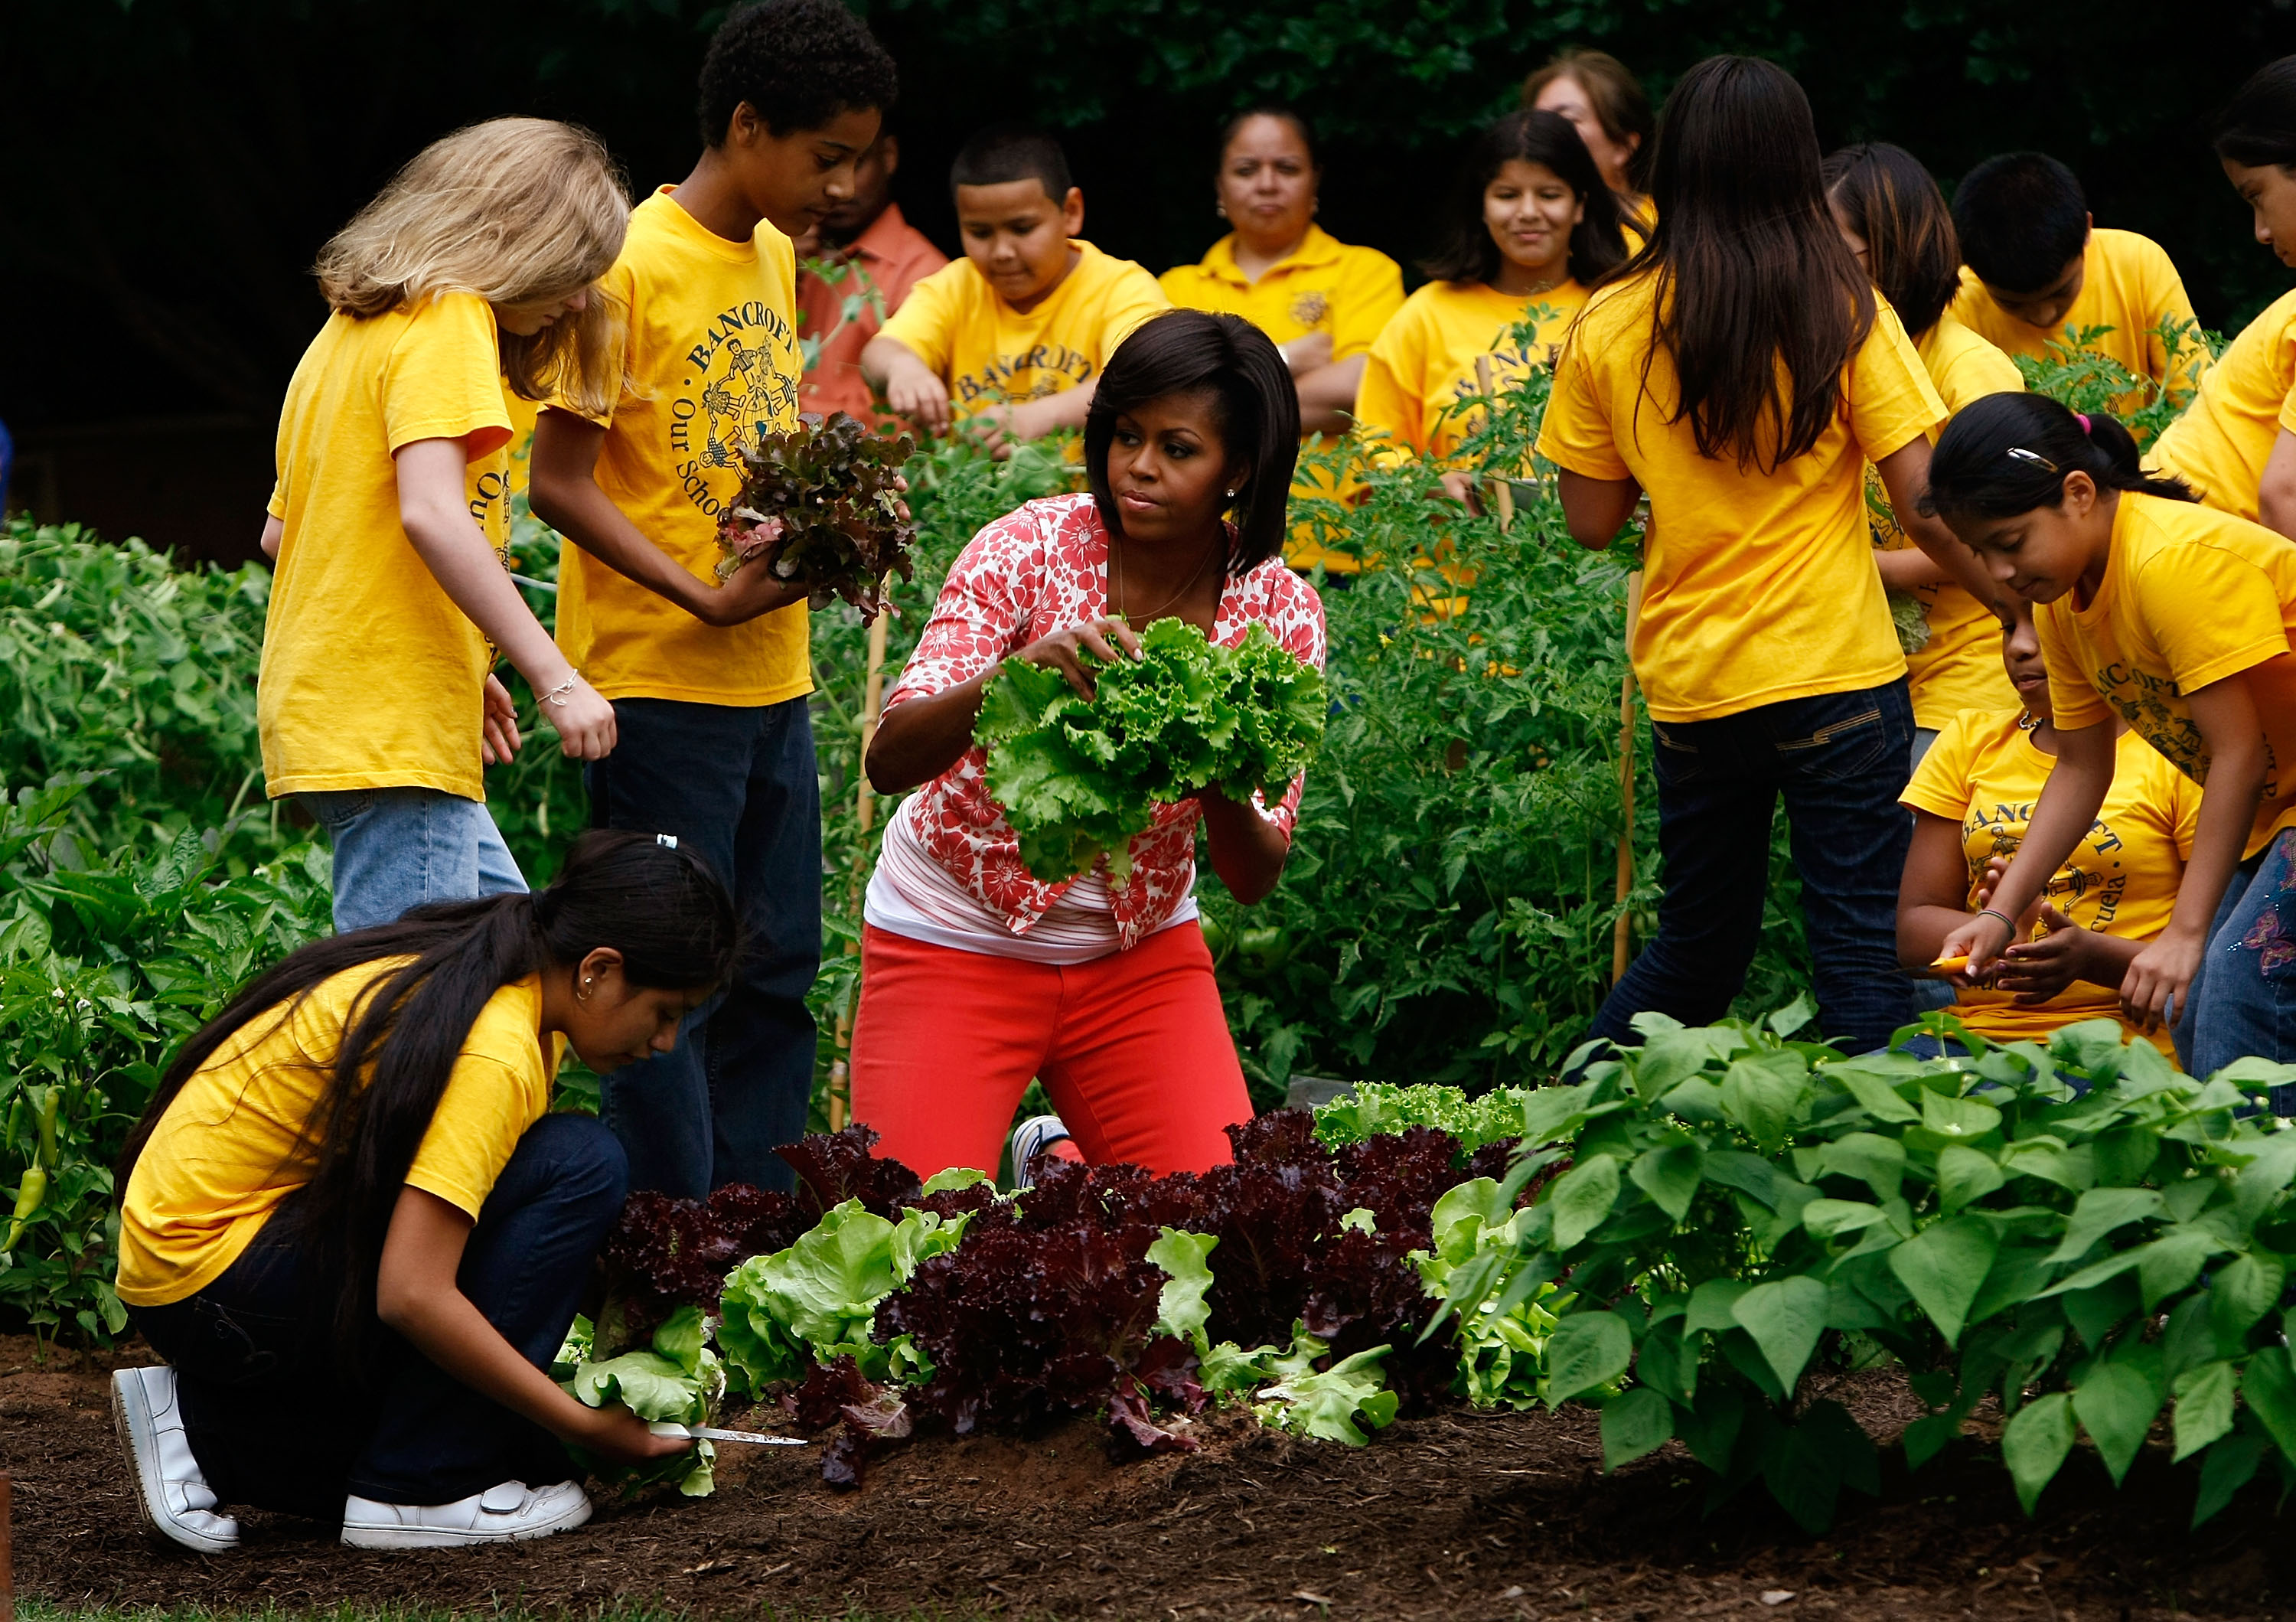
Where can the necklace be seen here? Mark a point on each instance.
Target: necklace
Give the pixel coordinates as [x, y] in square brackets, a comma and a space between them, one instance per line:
[1116, 564]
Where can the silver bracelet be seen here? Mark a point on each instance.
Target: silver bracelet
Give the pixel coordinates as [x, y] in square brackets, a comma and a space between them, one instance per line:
[556, 696]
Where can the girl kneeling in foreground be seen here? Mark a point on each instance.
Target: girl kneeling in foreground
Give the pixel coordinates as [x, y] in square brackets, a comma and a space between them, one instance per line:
[976, 977]
[2178, 618]
[356, 1236]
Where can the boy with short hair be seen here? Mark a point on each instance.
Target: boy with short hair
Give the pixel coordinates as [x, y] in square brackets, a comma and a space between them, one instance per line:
[881, 257]
[2034, 269]
[709, 682]
[1018, 331]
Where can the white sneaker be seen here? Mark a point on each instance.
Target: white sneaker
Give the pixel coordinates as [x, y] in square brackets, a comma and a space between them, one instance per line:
[503, 1513]
[171, 1495]
[1030, 1139]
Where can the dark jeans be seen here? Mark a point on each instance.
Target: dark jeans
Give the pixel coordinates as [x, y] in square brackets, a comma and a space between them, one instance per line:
[2243, 1000]
[275, 1421]
[739, 787]
[1840, 761]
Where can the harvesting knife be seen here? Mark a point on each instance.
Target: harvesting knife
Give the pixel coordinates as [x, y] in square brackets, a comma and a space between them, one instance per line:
[710, 1433]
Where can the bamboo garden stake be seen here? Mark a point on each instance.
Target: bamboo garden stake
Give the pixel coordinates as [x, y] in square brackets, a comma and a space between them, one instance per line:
[864, 816]
[1619, 933]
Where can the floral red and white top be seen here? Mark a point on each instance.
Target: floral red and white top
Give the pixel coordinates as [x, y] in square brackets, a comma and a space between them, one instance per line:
[1035, 571]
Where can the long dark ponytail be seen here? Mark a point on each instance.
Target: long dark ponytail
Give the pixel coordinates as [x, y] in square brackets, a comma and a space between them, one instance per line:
[2008, 453]
[661, 907]
[1753, 277]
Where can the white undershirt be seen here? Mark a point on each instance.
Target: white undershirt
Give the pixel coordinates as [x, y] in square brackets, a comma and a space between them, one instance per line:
[911, 894]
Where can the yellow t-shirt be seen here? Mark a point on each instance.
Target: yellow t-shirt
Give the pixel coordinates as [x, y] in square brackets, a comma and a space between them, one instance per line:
[228, 1149]
[2128, 283]
[1984, 773]
[521, 449]
[1757, 586]
[1959, 667]
[371, 677]
[2221, 443]
[1422, 369]
[711, 356]
[2190, 596]
[1323, 285]
[990, 353]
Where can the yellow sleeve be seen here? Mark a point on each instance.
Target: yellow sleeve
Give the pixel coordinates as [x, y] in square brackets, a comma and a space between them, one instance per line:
[1178, 283]
[1132, 298]
[1370, 291]
[926, 322]
[1390, 411]
[2073, 700]
[1940, 784]
[482, 1114]
[1575, 433]
[619, 286]
[443, 380]
[2212, 613]
[276, 507]
[1892, 403]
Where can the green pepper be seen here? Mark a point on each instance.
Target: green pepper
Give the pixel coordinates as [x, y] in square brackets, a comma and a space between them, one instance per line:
[28, 1200]
[49, 1105]
[15, 1123]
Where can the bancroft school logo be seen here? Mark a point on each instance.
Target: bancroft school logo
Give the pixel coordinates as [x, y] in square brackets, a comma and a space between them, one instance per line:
[1046, 369]
[744, 374]
[1309, 308]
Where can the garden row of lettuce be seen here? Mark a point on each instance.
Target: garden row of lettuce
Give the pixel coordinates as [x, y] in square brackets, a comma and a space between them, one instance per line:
[1695, 1239]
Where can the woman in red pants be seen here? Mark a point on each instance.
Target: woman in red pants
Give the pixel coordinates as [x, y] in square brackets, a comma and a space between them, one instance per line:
[976, 977]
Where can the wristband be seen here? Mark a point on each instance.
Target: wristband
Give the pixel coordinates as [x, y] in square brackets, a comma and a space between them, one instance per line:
[2007, 921]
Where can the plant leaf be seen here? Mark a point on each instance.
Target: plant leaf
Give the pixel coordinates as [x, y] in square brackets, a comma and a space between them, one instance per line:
[1587, 1350]
[1785, 1318]
[1635, 1423]
[1582, 1196]
[2035, 1443]
[1944, 1266]
[2203, 1405]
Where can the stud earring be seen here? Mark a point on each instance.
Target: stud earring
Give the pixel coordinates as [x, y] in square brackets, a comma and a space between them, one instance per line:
[1231, 494]
[1220, 208]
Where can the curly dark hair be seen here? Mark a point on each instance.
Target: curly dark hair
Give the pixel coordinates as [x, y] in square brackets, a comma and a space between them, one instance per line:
[798, 64]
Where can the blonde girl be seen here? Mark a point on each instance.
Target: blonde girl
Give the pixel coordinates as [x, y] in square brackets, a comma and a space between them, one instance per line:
[387, 524]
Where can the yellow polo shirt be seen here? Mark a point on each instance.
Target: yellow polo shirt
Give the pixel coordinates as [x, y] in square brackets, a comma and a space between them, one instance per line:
[231, 1146]
[1959, 667]
[1984, 773]
[990, 353]
[371, 677]
[1758, 586]
[1322, 285]
[2128, 283]
[2190, 596]
[710, 355]
[1421, 371]
[2221, 443]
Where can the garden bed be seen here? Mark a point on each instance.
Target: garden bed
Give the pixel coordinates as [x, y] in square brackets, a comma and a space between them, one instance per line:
[1461, 1515]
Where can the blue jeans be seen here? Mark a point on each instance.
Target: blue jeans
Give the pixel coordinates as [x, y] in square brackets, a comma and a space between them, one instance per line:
[739, 787]
[1840, 761]
[276, 1423]
[397, 849]
[2242, 1002]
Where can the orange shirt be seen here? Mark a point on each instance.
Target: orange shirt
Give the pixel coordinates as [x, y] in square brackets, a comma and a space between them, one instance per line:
[891, 257]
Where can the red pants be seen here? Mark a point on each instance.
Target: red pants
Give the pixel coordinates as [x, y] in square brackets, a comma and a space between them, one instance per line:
[1134, 1049]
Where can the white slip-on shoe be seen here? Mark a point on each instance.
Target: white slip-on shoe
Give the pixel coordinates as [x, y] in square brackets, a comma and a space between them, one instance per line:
[503, 1513]
[171, 1495]
[1030, 1139]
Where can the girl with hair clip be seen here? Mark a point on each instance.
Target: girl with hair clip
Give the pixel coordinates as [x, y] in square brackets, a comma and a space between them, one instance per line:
[1894, 218]
[2178, 618]
[976, 977]
[352, 1229]
[1740, 370]
[2236, 444]
[1532, 227]
[390, 517]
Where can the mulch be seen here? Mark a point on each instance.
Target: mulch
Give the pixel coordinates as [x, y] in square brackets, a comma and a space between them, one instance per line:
[1462, 1515]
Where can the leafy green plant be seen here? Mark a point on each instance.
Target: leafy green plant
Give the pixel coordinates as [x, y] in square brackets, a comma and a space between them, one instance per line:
[107, 961]
[676, 1378]
[2084, 379]
[1373, 1109]
[1077, 778]
[2075, 1231]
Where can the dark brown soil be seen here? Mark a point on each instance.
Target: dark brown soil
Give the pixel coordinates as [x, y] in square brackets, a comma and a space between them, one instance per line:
[1460, 1516]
